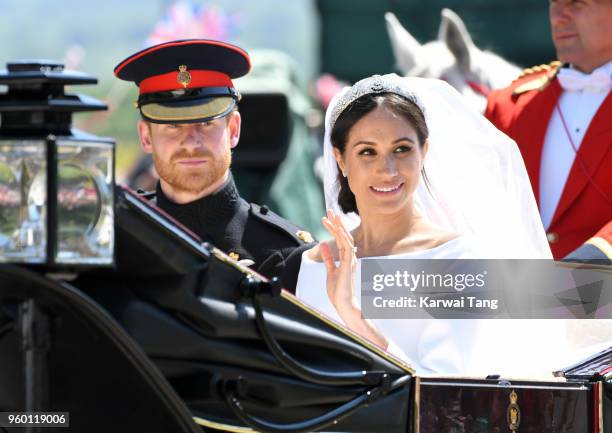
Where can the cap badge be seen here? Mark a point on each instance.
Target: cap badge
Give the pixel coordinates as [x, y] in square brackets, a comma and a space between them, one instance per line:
[183, 77]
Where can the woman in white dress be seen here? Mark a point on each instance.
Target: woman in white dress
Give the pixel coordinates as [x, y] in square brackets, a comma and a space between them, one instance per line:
[412, 172]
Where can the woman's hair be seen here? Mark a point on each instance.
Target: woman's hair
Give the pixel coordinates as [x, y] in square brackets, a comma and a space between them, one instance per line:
[358, 109]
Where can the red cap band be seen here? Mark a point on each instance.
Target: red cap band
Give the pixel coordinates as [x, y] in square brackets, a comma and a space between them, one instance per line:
[184, 80]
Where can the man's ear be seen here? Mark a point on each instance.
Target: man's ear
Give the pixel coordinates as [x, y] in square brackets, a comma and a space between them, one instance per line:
[234, 123]
[339, 159]
[144, 133]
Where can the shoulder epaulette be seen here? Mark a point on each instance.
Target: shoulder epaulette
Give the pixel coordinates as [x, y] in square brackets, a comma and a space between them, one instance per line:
[263, 213]
[542, 76]
[552, 66]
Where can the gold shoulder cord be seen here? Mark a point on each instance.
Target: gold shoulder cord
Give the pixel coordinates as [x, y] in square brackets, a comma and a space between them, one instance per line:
[540, 68]
[541, 81]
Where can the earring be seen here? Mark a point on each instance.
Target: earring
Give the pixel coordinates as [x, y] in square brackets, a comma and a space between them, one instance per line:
[343, 173]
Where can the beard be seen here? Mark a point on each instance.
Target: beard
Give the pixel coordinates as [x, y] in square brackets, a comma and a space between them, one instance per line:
[192, 179]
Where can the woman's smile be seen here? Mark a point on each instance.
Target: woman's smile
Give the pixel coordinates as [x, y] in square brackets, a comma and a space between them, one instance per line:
[387, 190]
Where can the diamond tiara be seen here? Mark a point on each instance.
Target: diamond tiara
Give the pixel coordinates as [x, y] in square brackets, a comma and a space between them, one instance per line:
[390, 83]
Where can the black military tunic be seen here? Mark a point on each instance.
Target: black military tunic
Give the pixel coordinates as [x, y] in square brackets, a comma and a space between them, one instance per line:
[245, 231]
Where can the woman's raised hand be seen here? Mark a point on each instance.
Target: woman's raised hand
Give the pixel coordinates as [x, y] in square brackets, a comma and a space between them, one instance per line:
[341, 280]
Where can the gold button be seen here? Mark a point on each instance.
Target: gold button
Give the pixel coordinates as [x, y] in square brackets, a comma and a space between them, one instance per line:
[304, 236]
[552, 237]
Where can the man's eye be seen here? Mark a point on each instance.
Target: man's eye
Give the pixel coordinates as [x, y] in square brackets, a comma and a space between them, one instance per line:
[172, 126]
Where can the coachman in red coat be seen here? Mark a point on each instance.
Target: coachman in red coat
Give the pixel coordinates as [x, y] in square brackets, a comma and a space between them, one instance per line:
[561, 119]
[523, 111]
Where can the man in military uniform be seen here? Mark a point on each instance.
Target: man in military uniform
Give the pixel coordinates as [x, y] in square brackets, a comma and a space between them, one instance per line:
[560, 116]
[190, 124]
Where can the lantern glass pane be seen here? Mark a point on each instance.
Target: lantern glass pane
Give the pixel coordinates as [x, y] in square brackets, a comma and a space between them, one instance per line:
[23, 201]
[85, 224]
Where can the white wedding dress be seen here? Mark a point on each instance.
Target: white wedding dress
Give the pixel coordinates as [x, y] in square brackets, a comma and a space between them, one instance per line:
[516, 348]
[478, 187]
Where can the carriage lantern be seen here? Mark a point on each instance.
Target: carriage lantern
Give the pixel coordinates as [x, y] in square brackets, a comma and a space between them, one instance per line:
[56, 182]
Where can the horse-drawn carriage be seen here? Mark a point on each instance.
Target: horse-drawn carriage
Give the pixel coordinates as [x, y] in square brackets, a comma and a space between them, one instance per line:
[112, 313]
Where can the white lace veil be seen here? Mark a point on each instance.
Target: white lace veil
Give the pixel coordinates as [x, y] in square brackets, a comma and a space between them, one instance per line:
[478, 182]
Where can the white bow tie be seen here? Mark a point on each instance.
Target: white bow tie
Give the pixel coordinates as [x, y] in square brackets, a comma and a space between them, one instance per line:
[573, 80]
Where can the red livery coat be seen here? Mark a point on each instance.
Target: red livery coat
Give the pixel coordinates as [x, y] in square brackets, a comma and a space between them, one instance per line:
[523, 111]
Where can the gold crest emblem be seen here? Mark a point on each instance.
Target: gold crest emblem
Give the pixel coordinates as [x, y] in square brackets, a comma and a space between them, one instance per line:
[514, 413]
[233, 255]
[183, 77]
[304, 236]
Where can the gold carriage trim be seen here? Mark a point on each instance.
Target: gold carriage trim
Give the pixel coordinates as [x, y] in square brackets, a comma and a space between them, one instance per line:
[222, 427]
[514, 413]
[294, 300]
[601, 244]
[347, 332]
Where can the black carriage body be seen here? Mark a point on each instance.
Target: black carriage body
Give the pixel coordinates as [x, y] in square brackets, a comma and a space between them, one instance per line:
[170, 339]
[470, 405]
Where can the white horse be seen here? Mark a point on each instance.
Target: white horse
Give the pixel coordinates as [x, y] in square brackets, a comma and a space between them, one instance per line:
[453, 57]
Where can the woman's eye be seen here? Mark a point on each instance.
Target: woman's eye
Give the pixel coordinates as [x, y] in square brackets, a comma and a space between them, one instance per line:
[367, 152]
[402, 149]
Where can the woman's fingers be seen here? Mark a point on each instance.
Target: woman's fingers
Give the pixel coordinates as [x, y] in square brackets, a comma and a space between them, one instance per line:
[327, 256]
[329, 224]
[339, 277]
[344, 239]
[342, 229]
[331, 228]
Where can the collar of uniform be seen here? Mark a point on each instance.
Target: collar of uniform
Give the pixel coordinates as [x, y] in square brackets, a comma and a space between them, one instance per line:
[606, 68]
[212, 209]
[597, 81]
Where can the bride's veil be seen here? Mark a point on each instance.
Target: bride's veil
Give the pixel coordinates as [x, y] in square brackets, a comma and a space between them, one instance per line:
[478, 184]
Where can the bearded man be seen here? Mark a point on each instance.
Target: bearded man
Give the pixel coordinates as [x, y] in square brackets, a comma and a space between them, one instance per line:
[190, 124]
